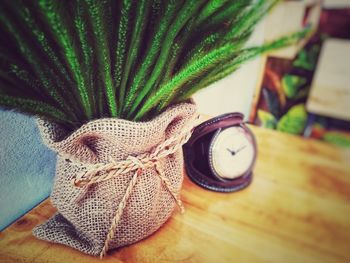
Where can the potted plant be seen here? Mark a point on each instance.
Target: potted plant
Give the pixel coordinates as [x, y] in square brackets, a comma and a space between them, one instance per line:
[110, 83]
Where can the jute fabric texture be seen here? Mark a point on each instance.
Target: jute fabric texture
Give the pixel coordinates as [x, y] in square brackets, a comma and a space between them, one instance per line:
[116, 181]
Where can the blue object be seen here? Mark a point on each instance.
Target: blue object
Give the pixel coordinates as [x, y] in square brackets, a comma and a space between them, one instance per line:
[27, 166]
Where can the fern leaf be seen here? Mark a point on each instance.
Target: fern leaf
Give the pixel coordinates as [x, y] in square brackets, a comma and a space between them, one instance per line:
[183, 16]
[33, 60]
[152, 51]
[124, 25]
[33, 107]
[134, 46]
[53, 16]
[102, 51]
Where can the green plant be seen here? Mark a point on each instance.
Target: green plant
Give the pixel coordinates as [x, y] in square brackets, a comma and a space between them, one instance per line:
[74, 61]
[267, 119]
[307, 59]
[294, 120]
[337, 138]
[291, 84]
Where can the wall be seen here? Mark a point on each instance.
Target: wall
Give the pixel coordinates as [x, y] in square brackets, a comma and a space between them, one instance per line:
[26, 166]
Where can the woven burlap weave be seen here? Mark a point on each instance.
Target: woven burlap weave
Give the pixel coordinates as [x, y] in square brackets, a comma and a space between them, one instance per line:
[85, 214]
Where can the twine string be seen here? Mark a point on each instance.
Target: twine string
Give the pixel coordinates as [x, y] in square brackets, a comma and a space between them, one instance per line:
[100, 172]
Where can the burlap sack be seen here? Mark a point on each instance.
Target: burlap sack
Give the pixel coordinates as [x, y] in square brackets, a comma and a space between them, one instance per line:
[86, 214]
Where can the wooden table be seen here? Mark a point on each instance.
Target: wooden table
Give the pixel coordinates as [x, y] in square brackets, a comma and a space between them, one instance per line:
[296, 210]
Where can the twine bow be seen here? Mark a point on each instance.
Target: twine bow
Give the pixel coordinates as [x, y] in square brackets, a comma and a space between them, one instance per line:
[136, 164]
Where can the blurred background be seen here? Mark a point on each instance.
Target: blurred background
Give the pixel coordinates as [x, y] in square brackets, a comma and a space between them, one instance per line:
[303, 90]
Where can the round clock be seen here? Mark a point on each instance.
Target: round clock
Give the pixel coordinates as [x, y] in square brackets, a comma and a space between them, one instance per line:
[221, 153]
[231, 152]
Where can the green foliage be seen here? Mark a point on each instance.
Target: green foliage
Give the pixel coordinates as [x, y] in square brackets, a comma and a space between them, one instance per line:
[337, 138]
[74, 61]
[291, 84]
[307, 59]
[267, 120]
[294, 120]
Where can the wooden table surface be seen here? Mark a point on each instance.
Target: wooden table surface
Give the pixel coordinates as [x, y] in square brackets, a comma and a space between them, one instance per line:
[296, 210]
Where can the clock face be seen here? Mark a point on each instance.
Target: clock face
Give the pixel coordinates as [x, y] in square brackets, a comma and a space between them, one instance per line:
[231, 152]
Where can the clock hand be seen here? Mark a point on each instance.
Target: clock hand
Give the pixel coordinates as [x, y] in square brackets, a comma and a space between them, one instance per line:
[240, 149]
[232, 152]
